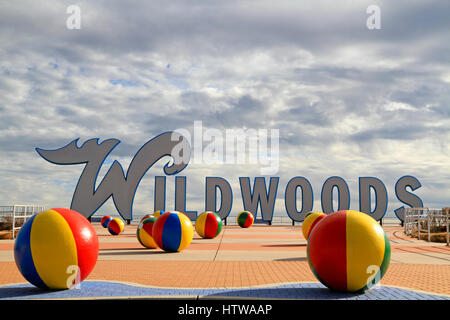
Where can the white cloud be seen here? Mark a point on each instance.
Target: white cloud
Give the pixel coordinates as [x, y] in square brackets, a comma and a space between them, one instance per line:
[348, 101]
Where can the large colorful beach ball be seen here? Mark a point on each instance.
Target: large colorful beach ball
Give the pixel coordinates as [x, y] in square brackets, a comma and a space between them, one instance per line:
[144, 233]
[105, 220]
[208, 225]
[348, 251]
[56, 249]
[311, 219]
[173, 231]
[245, 219]
[116, 226]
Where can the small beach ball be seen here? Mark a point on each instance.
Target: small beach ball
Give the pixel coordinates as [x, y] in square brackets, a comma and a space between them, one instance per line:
[348, 251]
[311, 219]
[245, 219]
[145, 217]
[144, 233]
[115, 226]
[173, 231]
[105, 220]
[56, 249]
[208, 225]
[157, 213]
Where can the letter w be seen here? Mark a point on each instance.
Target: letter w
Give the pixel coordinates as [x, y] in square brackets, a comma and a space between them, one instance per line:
[259, 196]
[86, 199]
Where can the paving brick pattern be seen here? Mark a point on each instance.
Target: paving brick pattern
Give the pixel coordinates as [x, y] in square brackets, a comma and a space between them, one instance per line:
[102, 290]
[262, 261]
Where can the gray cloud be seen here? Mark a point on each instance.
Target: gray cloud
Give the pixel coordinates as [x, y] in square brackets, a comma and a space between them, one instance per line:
[347, 100]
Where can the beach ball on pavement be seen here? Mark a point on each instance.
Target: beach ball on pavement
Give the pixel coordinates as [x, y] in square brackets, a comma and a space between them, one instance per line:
[145, 217]
[348, 251]
[208, 225]
[157, 213]
[245, 219]
[144, 233]
[105, 220]
[311, 219]
[56, 249]
[116, 226]
[173, 231]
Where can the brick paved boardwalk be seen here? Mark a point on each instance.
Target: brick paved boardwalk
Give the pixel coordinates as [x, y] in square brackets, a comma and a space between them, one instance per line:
[260, 262]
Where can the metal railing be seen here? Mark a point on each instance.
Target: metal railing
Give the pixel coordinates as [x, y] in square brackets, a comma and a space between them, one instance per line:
[17, 212]
[276, 221]
[426, 220]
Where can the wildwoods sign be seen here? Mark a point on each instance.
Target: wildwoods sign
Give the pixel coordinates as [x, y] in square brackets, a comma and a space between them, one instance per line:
[87, 199]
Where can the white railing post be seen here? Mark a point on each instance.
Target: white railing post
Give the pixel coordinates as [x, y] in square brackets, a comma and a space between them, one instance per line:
[448, 223]
[418, 227]
[13, 221]
[429, 227]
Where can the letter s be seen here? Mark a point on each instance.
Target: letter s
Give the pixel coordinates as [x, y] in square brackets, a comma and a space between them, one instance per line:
[407, 197]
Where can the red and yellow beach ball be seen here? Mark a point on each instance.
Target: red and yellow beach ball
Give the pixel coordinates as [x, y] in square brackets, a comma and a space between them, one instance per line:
[105, 220]
[311, 219]
[116, 226]
[173, 231]
[208, 225]
[56, 249]
[245, 219]
[144, 233]
[348, 251]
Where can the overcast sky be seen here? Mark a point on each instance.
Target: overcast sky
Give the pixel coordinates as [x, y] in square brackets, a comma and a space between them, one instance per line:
[347, 101]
